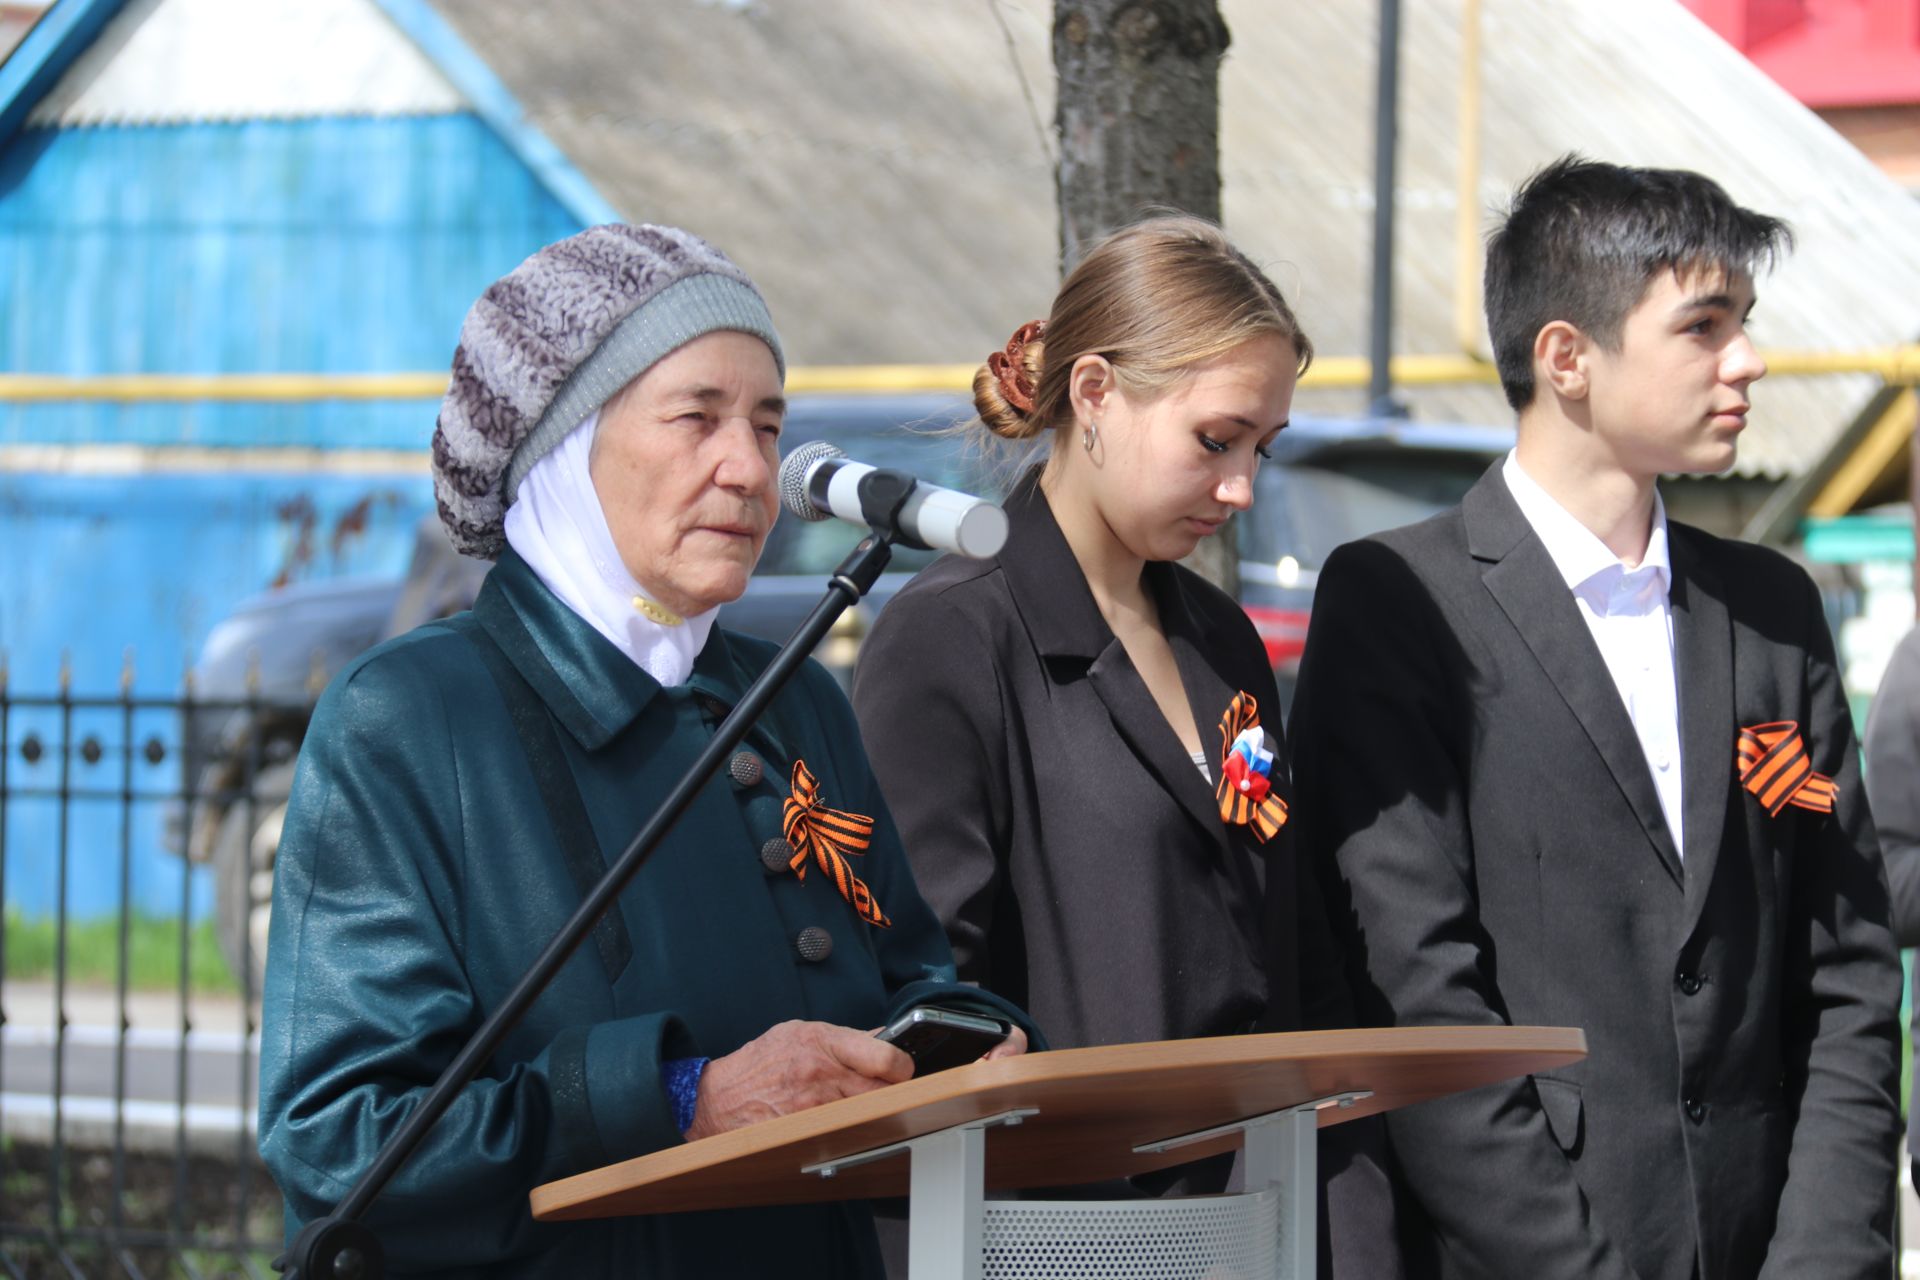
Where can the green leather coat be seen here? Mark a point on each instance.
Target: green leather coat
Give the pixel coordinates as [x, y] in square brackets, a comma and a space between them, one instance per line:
[419, 876]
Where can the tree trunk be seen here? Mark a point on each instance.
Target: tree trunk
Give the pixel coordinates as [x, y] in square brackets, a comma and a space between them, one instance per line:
[1138, 114]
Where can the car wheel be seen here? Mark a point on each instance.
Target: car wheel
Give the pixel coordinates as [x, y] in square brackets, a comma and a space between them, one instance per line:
[243, 858]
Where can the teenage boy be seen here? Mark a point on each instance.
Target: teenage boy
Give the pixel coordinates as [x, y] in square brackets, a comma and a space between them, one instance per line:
[1564, 762]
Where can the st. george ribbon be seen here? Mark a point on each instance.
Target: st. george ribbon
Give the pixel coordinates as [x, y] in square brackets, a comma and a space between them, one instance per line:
[818, 481]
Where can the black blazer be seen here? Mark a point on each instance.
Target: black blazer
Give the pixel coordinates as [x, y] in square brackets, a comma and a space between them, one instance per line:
[1490, 837]
[1055, 822]
[1893, 789]
[1074, 851]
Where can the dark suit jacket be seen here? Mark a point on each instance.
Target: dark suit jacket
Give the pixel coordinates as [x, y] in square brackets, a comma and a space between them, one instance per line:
[1893, 787]
[1056, 824]
[1489, 834]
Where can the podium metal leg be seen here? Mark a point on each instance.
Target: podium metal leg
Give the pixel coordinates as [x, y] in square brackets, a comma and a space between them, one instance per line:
[1284, 1152]
[1282, 1149]
[947, 1185]
[944, 1229]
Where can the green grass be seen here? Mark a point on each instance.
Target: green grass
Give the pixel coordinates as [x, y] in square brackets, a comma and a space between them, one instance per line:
[93, 953]
[1906, 1033]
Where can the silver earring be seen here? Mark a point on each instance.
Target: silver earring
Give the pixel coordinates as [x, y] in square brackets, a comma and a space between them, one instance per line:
[1090, 435]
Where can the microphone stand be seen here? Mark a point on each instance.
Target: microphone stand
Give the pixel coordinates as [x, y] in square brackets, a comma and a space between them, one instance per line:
[339, 1246]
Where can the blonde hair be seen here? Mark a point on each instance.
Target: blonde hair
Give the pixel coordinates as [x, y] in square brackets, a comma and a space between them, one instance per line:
[1154, 298]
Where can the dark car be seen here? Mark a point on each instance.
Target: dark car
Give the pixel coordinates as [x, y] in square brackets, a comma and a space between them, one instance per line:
[262, 665]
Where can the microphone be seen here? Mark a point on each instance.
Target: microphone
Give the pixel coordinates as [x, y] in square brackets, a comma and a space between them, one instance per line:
[818, 480]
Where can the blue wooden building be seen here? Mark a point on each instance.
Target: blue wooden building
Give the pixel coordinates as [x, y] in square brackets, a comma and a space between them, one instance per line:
[228, 187]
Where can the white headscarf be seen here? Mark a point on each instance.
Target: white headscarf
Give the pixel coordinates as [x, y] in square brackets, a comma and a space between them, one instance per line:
[557, 525]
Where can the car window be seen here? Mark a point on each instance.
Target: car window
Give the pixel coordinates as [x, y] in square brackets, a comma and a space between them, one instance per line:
[1305, 510]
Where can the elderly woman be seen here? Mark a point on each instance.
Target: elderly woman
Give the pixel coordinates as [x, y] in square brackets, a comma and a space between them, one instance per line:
[610, 436]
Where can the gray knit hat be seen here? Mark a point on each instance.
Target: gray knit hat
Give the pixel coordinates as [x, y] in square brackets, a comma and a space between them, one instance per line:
[556, 339]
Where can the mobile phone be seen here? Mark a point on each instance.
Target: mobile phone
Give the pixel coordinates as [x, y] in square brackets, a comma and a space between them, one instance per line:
[937, 1038]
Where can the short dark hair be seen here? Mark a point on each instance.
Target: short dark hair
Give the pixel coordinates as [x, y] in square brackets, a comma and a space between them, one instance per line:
[1583, 239]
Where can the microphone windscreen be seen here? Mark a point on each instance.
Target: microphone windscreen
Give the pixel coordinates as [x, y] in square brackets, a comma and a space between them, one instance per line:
[793, 478]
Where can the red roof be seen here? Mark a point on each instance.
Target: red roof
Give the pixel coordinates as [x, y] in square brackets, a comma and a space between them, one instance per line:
[1827, 53]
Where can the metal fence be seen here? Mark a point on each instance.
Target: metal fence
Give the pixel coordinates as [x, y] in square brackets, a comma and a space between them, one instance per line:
[128, 974]
[136, 838]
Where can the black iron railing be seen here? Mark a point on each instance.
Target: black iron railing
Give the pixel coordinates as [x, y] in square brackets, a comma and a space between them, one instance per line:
[136, 842]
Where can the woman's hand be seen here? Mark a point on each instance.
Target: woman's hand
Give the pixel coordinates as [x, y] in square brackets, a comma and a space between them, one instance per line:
[794, 1066]
[1014, 1044]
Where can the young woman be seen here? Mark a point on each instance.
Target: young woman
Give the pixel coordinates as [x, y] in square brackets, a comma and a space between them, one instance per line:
[1079, 738]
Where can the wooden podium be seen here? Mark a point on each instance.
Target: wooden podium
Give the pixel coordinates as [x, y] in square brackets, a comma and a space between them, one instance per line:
[1078, 1116]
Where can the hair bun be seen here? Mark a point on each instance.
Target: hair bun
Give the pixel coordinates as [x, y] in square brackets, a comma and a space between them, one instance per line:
[1003, 388]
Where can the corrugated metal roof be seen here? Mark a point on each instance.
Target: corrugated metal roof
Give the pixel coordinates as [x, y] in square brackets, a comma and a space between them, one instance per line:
[172, 61]
[875, 165]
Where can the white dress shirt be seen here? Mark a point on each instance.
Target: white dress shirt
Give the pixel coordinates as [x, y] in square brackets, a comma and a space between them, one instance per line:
[1626, 608]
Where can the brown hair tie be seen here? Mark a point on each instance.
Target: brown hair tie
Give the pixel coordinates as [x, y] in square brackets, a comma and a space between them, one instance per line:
[1010, 366]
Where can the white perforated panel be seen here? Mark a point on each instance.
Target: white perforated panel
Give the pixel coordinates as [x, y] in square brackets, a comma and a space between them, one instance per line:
[1210, 1238]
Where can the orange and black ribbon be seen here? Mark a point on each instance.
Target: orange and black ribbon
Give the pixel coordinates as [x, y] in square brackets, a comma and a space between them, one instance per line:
[1774, 766]
[828, 836]
[1245, 795]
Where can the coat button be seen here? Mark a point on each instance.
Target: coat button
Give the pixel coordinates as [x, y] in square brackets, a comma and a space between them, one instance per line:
[775, 855]
[814, 944]
[1696, 1110]
[745, 769]
[1690, 983]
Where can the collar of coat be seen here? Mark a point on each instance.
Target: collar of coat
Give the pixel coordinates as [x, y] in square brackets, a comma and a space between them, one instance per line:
[1057, 608]
[594, 690]
[1056, 603]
